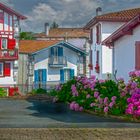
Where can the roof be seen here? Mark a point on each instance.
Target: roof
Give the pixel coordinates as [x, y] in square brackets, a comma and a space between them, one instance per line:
[123, 30]
[33, 46]
[64, 32]
[120, 16]
[8, 9]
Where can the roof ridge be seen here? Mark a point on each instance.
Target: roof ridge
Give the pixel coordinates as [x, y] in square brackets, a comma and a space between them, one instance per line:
[125, 10]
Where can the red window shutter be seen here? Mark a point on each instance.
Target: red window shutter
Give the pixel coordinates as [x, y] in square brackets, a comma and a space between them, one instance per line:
[0, 43]
[1, 17]
[91, 36]
[11, 44]
[97, 57]
[98, 33]
[7, 69]
[137, 56]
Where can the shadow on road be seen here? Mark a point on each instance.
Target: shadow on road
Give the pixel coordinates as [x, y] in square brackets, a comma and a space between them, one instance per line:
[61, 112]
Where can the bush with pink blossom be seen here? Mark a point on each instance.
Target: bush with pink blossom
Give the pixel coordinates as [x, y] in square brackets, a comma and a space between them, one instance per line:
[102, 96]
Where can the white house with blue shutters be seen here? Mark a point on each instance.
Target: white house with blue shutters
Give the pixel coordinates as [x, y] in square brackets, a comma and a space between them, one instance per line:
[46, 62]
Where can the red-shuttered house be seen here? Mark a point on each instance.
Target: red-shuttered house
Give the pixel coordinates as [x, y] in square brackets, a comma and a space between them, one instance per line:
[101, 27]
[125, 44]
[9, 32]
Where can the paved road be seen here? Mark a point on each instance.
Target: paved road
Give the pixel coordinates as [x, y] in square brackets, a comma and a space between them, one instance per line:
[38, 114]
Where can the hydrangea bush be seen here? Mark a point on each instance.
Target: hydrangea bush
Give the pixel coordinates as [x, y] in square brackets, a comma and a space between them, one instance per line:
[102, 96]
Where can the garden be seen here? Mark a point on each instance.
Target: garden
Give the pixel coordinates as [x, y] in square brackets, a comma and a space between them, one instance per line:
[102, 97]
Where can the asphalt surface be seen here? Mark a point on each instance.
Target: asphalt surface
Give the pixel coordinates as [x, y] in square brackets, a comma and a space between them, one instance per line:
[42, 114]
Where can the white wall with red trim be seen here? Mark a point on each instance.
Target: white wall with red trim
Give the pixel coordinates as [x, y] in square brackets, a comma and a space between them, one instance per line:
[105, 54]
[124, 53]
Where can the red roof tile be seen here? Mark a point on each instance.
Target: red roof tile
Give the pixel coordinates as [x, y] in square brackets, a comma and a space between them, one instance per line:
[65, 32]
[31, 46]
[121, 16]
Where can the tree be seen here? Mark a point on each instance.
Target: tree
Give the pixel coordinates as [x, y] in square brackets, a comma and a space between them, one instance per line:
[26, 36]
[54, 25]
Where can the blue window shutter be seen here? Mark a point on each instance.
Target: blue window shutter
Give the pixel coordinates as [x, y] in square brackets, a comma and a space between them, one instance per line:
[52, 51]
[62, 75]
[71, 73]
[36, 79]
[44, 78]
[60, 51]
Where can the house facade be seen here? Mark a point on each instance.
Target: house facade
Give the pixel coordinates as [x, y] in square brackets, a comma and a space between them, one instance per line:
[75, 36]
[101, 27]
[9, 32]
[48, 62]
[125, 45]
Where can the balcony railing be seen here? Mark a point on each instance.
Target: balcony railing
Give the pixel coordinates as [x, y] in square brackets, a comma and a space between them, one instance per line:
[57, 61]
[6, 54]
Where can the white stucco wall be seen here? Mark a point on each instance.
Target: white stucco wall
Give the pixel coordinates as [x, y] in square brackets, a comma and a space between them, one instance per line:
[6, 81]
[124, 53]
[105, 54]
[53, 74]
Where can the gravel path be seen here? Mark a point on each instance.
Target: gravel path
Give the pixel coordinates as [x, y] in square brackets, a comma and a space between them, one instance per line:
[69, 134]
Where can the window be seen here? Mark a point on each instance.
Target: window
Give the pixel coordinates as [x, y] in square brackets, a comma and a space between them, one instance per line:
[98, 34]
[10, 22]
[1, 69]
[6, 21]
[1, 16]
[4, 43]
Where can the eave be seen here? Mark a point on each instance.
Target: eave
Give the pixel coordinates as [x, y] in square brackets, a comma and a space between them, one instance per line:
[126, 29]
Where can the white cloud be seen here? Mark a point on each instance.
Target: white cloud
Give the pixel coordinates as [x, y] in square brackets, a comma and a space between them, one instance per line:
[64, 12]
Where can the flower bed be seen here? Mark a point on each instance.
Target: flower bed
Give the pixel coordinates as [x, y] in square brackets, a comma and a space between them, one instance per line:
[102, 96]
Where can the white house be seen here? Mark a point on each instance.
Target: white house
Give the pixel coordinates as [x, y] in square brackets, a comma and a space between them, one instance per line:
[100, 28]
[75, 36]
[46, 62]
[125, 44]
[9, 32]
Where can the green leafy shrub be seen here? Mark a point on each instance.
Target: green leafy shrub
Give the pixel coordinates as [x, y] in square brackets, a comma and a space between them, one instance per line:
[39, 91]
[3, 92]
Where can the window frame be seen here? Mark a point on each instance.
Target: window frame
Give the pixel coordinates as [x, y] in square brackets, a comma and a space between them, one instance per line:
[2, 43]
[1, 75]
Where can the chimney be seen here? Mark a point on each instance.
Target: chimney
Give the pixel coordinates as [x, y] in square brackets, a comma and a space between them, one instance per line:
[47, 28]
[98, 11]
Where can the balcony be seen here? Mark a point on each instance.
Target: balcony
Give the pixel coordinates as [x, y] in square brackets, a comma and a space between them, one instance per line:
[6, 54]
[57, 61]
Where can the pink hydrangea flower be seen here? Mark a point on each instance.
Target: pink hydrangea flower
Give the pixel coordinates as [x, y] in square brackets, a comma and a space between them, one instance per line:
[88, 96]
[81, 108]
[106, 109]
[96, 94]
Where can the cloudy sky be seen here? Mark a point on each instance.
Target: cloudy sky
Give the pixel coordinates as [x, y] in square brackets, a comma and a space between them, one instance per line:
[67, 13]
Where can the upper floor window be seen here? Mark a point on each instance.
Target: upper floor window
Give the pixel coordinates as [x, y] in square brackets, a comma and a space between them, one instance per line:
[5, 21]
[57, 51]
[1, 16]
[98, 34]
[1, 69]
[4, 43]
